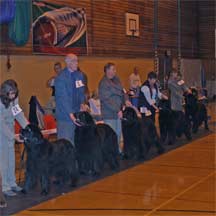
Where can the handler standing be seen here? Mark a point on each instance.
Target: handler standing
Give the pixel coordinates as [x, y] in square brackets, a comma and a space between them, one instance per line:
[69, 96]
[112, 97]
[9, 111]
[177, 87]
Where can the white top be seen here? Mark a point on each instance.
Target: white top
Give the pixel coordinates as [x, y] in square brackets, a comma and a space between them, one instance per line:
[146, 91]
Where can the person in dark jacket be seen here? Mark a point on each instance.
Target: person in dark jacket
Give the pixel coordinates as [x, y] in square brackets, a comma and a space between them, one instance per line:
[50, 106]
[51, 82]
[69, 96]
[148, 96]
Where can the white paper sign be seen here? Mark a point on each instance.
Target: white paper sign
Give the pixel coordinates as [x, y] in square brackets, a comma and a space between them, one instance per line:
[16, 110]
[181, 82]
[143, 109]
[79, 83]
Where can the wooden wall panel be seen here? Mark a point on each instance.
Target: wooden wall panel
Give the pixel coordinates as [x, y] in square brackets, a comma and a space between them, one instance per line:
[189, 29]
[167, 26]
[109, 28]
[206, 28]
[106, 28]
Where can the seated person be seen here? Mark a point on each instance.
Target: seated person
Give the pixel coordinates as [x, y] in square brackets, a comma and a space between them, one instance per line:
[134, 96]
[135, 83]
[95, 106]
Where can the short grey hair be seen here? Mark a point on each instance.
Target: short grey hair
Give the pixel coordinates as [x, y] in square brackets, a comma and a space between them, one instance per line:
[69, 57]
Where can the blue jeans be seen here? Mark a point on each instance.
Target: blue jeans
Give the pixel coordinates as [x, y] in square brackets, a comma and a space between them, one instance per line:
[66, 131]
[115, 124]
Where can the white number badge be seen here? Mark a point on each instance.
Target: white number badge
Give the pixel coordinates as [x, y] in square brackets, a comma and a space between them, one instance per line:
[181, 82]
[79, 83]
[16, 110]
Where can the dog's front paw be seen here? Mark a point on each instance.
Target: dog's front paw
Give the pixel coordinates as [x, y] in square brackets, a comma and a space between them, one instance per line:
[24, 191]
[44, 192]
[56, 182]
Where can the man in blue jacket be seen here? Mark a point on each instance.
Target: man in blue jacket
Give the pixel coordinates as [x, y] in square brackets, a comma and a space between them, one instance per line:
[70, 97]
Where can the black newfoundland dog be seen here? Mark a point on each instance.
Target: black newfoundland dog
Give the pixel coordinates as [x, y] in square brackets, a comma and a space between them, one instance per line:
[46, 159]
[138, 134]
[134, 145]
[95, 145]
[195, 111]
[172, 123]
[166, 122]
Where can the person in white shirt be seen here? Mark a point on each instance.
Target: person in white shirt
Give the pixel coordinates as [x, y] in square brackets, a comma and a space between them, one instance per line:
[134, 79]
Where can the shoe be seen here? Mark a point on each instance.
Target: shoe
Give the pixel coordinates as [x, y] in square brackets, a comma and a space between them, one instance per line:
[9, 193]
[3, 204]
[122, 156]
[16, 188]
[161, 151]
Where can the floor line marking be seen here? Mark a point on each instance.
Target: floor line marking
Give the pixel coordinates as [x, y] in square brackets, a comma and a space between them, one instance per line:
[181, 193]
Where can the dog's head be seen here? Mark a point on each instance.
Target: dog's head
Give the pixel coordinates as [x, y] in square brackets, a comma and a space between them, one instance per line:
[191, 98]
[31, 135]
[129, 115]
[84, 119]
[194, 92]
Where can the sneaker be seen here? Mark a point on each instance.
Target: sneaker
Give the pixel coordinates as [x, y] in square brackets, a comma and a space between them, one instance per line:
[9, 193]
[3, 203]
[122, 156]
[161, 150]
[16, 188]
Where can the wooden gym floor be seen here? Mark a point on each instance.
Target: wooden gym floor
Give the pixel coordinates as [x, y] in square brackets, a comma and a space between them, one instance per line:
[179, 182]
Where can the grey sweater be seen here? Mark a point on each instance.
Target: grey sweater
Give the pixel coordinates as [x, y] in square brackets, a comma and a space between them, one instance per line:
[7, 121]
[111, 96]
[176, 90]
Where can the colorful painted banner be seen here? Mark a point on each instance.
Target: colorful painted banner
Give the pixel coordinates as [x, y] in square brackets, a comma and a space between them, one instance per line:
[19, 28]
[58, 29]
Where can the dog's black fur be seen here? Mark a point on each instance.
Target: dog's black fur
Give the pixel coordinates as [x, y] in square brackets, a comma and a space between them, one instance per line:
[172, 123]
[150, 134]
[138, 134]
[95, 145]
[166, 122]
[46, 159]
[134, 145]
[195, 111]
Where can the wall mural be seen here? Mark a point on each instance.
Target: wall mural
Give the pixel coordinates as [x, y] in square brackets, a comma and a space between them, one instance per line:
[58, 29]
